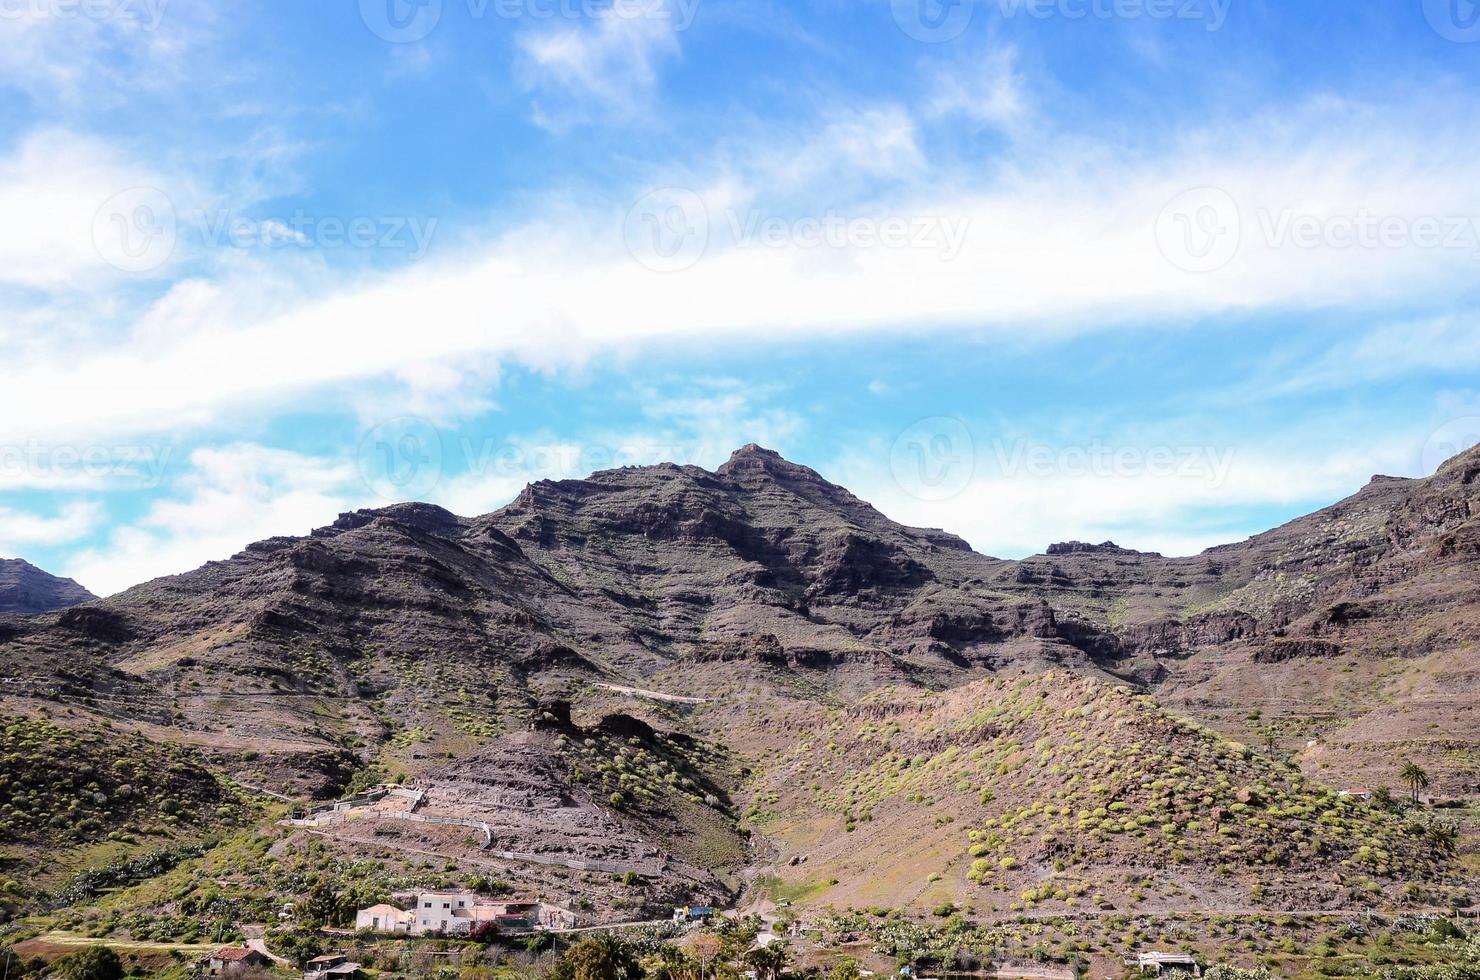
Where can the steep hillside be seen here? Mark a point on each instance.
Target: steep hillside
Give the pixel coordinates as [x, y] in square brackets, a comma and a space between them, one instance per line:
[1050, 793]
[79, 798]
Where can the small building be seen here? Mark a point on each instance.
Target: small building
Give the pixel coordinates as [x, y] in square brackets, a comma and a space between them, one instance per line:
[331, 966]
[1155, 963]
[1358, 793]
[383, 918]
[229, 959]
[454, 912]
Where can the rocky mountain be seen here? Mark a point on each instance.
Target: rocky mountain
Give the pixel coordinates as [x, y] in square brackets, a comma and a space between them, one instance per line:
[638, 657]
[26, 589]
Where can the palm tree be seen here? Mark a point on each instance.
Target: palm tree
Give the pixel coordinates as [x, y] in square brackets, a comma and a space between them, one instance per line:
[604, 957]
[1443, 838]
[1415, 779]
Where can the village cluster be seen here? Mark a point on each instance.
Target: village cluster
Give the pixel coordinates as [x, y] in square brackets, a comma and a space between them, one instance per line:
[447, 912]
[453, 912]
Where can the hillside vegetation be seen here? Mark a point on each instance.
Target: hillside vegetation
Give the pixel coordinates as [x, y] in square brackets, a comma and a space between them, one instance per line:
[1056, 792]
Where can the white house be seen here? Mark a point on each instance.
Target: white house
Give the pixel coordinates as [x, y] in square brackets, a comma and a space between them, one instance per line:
[384, 918]
[443, 911]
[454, 912]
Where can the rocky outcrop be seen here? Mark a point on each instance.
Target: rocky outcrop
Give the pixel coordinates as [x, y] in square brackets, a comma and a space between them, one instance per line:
[26, 589]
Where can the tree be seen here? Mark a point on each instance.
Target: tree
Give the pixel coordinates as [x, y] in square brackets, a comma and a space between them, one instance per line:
[601, 958]
[1415, 779]
[674, 964]
[769, 961]
[484, 932]
[320, 906]
[92, 963]
[846, 970]
[1443, 837]
[705, 947]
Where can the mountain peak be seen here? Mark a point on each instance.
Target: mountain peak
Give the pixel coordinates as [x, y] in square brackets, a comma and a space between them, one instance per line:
[755, 449]
[755, 459]
[425, 517]
[26, 589]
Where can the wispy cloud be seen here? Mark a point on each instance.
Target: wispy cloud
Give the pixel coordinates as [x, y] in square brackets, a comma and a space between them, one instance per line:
[986, 88]
[71, 55]
[230, 496]
[55, 186]
[1012, 498]
[602, 69]
[1070, 246]
[20, 530]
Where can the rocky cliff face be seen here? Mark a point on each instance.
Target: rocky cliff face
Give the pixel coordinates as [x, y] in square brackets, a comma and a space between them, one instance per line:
[26, 589]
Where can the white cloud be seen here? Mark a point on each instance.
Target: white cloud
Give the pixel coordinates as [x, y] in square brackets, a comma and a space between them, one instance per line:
[1172, 498]
[605, 68]
[986, 88]
[1067, 245]
[699, 422]
[98, 51]
[1444, 344]
[233, 495]
[53, 185]
[72, 522]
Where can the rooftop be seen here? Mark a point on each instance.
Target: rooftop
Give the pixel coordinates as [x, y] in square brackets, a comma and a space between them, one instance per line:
[233, 953]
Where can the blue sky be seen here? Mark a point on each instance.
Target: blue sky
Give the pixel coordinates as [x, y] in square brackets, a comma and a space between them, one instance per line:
[1163, 271]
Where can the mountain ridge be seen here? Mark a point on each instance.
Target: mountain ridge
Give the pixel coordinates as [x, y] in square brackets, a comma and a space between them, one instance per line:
[739, 608]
